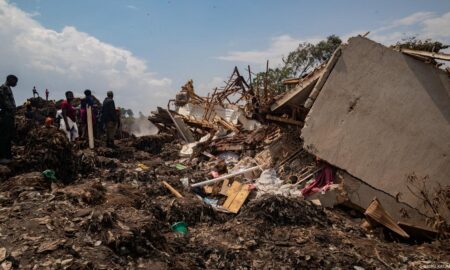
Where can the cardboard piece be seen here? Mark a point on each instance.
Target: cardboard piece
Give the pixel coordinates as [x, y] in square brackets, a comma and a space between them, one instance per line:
[376, 212]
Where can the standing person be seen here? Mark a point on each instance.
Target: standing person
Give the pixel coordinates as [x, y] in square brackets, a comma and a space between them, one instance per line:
[46, 94]
[7, 122]
[109, 118]
[35, 92]
[69, 117]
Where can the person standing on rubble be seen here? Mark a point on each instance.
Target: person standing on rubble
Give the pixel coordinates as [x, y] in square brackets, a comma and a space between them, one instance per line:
[35, 92]
[7, 121]
[68, 124]
[46, 94]
[109, 118]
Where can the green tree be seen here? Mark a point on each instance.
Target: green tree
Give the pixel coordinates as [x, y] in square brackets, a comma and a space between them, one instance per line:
[273, 80]
[303, 59]
[428, 45]
[308, 56]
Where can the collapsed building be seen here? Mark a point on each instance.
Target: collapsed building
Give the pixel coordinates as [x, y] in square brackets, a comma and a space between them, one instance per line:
[378, 115]
[319, 177]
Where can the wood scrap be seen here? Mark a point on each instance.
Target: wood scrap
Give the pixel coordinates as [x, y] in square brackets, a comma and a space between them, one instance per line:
[377, 213]
[172, 190]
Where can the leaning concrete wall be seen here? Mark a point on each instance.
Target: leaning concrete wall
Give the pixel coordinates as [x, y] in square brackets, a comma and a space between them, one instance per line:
[381, 116]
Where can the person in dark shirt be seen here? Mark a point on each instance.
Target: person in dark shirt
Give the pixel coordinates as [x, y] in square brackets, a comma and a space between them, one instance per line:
[29, 114]
[109, 118]
[35, 92]
[7, 123]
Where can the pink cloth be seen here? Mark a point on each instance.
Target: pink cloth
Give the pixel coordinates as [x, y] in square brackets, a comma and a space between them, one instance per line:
[324, 178]
[70, 110]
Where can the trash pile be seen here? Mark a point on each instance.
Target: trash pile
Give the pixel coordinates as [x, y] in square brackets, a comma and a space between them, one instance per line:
[232, 180]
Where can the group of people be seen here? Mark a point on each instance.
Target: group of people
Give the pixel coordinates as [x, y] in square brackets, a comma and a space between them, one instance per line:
[35, 93]
[69, 116]
[108, 116]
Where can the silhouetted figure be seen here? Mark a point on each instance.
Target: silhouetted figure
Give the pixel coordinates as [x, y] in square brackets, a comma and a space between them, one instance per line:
[7, 122]
[109, 118]
[35, 92]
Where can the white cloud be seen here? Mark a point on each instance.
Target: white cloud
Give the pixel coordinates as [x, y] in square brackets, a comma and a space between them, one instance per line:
[73, 60]
[279, 46]
[132, 7]
[438, 26]
[413, 18]
[422, 25]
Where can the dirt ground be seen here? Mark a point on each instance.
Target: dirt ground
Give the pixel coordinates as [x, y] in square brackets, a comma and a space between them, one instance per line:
[105, 212]
[115, 217]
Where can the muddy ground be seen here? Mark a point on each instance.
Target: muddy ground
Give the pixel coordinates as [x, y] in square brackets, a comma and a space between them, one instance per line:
[105, 212]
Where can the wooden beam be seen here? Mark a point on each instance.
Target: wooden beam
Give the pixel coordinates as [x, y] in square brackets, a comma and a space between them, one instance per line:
[90, 127]
[302, 85]
[215, 180]
[316, 90]
[440, 56]
[172, 190]
[284, 120]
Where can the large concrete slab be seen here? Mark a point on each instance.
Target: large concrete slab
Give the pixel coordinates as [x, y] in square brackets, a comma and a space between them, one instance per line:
[381, 116]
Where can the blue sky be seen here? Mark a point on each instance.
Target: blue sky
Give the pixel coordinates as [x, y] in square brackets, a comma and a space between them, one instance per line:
[144, 50]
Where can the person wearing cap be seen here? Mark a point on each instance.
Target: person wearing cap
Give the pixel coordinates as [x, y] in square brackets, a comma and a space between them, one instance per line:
[109, 118]
[7, 121]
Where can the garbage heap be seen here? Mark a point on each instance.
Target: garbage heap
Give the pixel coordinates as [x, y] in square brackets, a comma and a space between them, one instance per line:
[230, 181]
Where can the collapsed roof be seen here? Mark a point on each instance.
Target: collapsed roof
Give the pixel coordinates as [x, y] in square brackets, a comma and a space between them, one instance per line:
[381, 116]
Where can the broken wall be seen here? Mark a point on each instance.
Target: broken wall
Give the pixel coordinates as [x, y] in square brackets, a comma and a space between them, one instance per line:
[381, 116]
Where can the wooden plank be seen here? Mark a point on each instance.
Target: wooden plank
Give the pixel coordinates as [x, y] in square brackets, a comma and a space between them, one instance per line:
[90, 127]
[225, 187]
[172, 190]
[182, 128]
[226, 124]
[239, 200]
[239, 147]
[440, 56]
[227, 176]
[302, 85]
[284, 120]
[232, 193]
[321, 81]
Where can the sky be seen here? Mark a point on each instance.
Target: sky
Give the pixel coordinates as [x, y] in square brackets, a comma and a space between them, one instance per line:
[145, 50]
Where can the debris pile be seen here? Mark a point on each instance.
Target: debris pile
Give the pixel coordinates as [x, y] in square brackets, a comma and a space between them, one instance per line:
[239, 179]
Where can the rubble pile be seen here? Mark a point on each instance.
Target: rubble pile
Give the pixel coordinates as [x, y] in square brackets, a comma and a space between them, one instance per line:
[279, 210]
[49, 148]
[227, 183]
